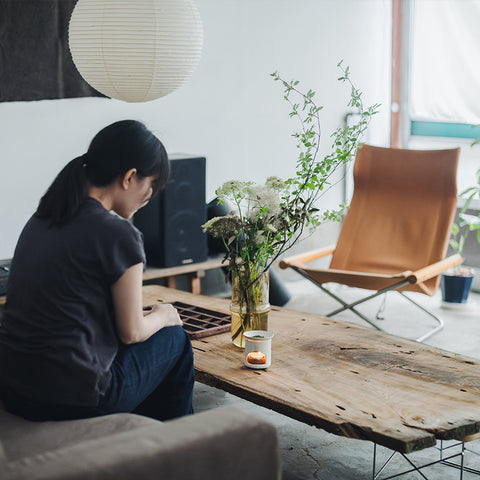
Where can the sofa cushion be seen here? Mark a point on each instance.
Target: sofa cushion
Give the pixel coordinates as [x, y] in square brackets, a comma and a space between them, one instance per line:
[224, 443]
[24, 438]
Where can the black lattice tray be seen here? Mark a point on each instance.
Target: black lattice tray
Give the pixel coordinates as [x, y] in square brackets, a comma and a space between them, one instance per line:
[201, 322]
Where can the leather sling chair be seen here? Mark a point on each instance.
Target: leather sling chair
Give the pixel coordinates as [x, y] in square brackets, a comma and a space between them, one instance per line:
[396, 232]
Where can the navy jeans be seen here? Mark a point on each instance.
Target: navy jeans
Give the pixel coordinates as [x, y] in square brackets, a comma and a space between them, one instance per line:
[153, 378]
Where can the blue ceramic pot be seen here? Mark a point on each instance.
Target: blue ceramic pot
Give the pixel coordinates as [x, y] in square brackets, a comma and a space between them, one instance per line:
[455, 288]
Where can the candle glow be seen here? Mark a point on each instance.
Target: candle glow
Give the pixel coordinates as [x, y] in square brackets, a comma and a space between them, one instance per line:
[257, 358]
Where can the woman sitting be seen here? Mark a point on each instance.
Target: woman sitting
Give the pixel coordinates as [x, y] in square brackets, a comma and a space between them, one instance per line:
[74, 340]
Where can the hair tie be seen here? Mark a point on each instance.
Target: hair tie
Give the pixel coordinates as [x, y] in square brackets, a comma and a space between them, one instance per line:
[84, 158]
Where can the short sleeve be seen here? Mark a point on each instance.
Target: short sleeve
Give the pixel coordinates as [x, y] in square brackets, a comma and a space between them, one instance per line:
[123, 250]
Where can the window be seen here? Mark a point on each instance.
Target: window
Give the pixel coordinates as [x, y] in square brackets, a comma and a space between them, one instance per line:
[444, 89]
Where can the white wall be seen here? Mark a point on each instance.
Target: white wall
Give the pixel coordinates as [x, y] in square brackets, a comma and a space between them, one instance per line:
[231, 110]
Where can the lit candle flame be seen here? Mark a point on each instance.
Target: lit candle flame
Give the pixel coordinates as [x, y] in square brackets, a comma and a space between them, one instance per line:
[256, 358]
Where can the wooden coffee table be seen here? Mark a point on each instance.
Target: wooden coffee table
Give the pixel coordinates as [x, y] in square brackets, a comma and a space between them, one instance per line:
[347, 379]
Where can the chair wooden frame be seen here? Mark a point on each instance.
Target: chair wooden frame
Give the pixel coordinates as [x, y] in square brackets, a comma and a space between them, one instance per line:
[396, 233]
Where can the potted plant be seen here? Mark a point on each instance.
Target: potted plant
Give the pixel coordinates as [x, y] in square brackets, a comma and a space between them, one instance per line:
[457, 281]
[269, 219]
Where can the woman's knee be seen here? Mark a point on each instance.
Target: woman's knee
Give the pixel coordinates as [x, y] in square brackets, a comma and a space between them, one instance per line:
[172, 339]
[177, 335]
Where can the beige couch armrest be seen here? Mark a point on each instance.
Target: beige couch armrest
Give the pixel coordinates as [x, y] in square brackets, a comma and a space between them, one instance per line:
[222, 443]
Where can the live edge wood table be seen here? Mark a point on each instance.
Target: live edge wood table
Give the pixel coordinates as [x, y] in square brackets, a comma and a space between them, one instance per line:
[346, 379]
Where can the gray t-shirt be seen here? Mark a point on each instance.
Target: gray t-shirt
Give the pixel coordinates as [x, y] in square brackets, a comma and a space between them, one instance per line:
[58, 336]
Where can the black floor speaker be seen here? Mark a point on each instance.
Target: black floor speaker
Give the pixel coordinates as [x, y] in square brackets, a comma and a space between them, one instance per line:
[172, 221]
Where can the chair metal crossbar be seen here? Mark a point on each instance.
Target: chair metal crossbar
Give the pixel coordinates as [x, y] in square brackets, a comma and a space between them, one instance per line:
[351, 307]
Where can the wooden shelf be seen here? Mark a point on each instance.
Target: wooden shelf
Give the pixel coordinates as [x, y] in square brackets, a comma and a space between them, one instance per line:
[194, 271]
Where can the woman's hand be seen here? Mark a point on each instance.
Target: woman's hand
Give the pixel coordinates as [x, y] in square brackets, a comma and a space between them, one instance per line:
[167, 312]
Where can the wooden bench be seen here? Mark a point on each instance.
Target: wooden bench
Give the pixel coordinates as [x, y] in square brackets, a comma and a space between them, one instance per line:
[194, 272]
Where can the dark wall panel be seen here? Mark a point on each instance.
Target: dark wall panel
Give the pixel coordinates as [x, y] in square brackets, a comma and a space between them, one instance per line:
[35, 62]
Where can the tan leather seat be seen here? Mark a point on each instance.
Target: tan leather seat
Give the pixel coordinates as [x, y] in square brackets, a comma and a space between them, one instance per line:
[396, 232]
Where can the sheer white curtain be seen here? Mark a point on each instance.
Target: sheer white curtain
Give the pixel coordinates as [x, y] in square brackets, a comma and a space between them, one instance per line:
[445, 61]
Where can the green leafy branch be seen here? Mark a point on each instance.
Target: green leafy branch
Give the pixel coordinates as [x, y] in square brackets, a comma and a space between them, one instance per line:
[272, 218]
[467, 223]
[313, 178]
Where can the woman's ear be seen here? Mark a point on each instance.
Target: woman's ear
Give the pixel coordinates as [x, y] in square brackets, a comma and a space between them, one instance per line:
[128, 177]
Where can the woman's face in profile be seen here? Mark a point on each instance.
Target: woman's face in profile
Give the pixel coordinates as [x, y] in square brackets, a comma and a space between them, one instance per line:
[138, 194]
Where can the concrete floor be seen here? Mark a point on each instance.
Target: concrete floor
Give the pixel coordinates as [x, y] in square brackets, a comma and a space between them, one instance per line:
[310, 453]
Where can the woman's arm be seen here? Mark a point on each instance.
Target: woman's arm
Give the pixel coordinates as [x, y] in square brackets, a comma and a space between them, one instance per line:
[133, 324]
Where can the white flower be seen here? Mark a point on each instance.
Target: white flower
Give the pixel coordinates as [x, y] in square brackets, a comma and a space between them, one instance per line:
[276, 183]
[264, 202]
[233, 189]
[259, 238]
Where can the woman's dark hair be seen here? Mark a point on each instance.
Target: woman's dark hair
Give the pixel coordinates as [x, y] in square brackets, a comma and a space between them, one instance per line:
[112, 152]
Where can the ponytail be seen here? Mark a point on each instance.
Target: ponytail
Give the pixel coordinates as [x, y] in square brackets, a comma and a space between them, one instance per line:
[113, 151]
[65, 195]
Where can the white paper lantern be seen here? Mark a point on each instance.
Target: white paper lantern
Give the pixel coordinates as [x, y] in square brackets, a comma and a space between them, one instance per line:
[135, 50]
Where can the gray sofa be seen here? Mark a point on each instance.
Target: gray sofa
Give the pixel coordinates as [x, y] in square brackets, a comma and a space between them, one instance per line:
[226, 443]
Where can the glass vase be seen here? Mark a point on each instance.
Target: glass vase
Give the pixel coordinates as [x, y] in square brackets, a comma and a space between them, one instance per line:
[250, 306]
